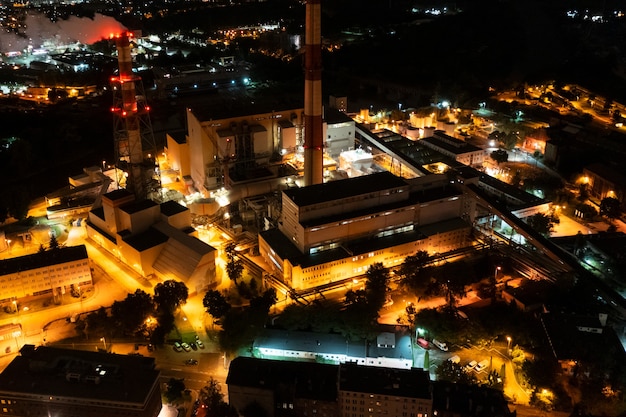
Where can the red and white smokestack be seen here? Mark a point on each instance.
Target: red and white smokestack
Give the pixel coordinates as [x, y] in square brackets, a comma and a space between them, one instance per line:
[313, 135]
[131, 148]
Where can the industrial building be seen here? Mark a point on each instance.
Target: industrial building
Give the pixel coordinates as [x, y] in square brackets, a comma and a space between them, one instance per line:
[153, 239]
[47, 381]
[47, 273]
[333, 232]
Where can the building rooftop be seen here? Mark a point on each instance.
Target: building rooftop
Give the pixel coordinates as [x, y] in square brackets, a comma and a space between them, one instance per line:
[170, 208]
[468, 400]
[138, 206]
[118, 194]
[409, 383]
[333, 116]
[146, 240]
[42, 259]
[302, 341]
[310, 380]
[453, 145]
[54, 372]
[335, 190]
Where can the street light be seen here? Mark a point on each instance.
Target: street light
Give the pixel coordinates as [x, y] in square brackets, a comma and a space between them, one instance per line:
[508, 346]
[104, 342]
[495, 275]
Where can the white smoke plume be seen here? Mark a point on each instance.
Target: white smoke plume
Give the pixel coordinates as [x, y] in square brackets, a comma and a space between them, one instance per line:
[40, 31]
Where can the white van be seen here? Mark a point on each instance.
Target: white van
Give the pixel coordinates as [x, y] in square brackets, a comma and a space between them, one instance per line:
[481, 365]
[440, 345]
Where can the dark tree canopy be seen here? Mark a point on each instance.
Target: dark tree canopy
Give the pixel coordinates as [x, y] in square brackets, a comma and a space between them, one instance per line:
[169, 295]
[610, 207]
[215, 304]
[500, 156]
[234, 265]
[130, 314]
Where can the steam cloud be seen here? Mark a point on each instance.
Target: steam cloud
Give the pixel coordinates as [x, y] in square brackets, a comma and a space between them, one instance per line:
[39, 29]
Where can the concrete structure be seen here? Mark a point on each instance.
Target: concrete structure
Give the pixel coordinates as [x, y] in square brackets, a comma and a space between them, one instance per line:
[313, 134]
[335, 231]
[46, 381]
[52, 272]
[230, 150]
[392, 349]
[153, 239]
[339, 133]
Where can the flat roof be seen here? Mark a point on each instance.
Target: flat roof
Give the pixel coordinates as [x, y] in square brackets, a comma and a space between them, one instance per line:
[43, 259]
[309, 379]
[146, 240]
[92, 376]
[169, 208]
[137, 206]
[458, 148]
[409, 383]
[335, 190]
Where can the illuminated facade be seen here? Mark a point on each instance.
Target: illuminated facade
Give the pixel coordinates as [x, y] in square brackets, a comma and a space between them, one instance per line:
[153, 239]
[52, 272]
[335, 231]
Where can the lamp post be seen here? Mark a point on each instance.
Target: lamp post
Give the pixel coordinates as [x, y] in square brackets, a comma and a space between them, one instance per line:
[508, 344]
[495, 274]
[104, 342]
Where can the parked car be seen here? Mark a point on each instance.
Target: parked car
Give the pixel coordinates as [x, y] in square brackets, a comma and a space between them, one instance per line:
[193, 346]
[186, 347]
[440, 345]
[481, 365]
[178, 347]
[455, 359]
[422, 342]
[199, 343]
[471, 365]
[191, 362]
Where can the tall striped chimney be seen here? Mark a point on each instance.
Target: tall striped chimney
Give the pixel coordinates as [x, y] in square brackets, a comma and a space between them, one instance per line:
[313, 135]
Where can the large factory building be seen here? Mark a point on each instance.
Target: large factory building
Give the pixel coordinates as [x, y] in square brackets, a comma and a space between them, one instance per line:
[333, 232]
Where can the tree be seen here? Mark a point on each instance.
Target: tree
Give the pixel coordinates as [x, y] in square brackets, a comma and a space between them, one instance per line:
[541, 223]
[215, 304]
[411, 270]
[175, 388]
[377, 279]
[53, 243]
[455, 372]
[261, 305]
[500, 156]
[234, 265]
[169, 295]
[212, 398]
[130, 314]
[610, 207]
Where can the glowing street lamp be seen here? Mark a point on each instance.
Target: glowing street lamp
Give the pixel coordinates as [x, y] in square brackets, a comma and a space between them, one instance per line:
[104, 342]
[508, 346]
